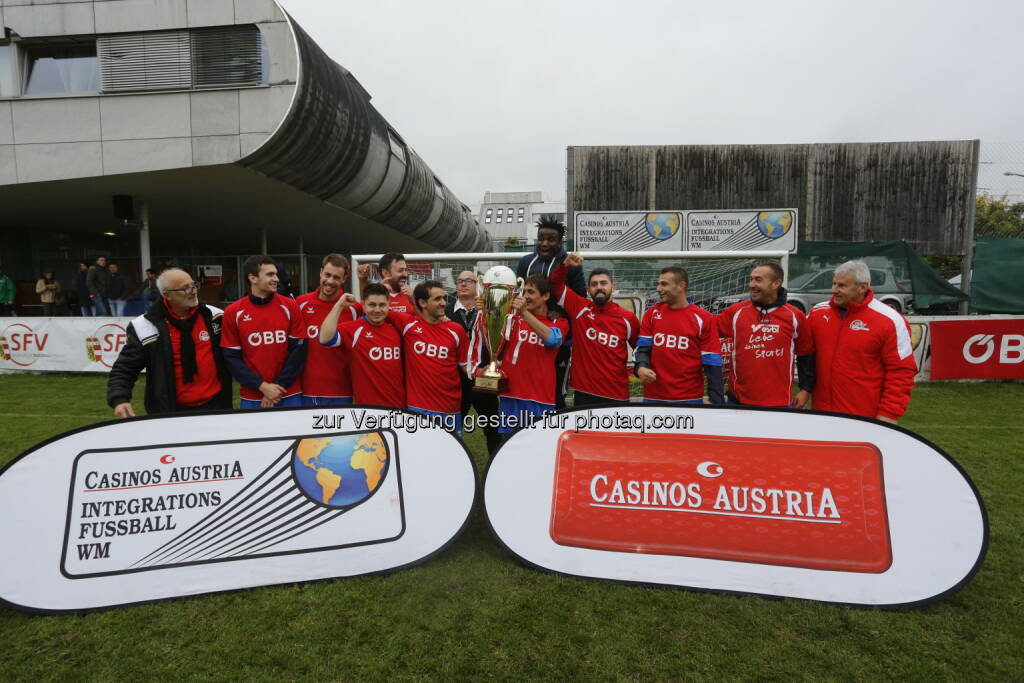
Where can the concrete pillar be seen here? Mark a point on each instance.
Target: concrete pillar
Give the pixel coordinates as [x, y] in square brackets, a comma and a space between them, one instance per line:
[145, 258]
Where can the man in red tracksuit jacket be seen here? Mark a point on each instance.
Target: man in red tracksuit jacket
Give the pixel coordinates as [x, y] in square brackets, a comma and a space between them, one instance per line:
[864, 356]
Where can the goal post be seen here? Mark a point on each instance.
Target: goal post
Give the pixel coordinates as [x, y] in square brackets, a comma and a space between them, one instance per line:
[714, 276]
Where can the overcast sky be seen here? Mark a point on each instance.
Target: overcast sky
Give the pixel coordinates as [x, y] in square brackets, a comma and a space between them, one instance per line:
[491, 93]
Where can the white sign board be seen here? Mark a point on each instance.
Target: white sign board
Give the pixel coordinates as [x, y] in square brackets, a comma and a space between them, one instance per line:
[63, 344]
[765, 501]
[154, 508]
[753, 230]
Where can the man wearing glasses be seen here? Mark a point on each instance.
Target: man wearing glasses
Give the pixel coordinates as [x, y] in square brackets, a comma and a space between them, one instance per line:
[177, 342]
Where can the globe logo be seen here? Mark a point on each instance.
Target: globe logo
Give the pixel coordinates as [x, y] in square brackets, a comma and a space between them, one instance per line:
[774, 224]
[661, 226]
[340, 471]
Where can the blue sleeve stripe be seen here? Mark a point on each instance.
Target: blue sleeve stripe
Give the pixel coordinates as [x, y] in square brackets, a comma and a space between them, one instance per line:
[708, 358]
[643, 341]
[555, 338]
[335, 340]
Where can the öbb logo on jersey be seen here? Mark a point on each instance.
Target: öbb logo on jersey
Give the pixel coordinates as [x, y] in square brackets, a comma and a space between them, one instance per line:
[671, 341]
[529, 337]
[267, 337]
[430, 350]
[385, 353]
[1011, 348]
[611, 493]
[609, 340]
[21, 345]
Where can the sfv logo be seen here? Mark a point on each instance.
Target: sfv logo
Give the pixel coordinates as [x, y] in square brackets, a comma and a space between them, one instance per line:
[1011, 348]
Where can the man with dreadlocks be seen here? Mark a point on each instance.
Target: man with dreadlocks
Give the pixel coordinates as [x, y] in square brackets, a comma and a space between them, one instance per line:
[548, 254]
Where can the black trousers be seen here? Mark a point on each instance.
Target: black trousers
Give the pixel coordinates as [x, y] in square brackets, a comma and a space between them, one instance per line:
[486, 406]
[582, 399]
[218, 402]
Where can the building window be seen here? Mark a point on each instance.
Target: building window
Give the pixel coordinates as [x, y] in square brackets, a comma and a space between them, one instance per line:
[397, 147]
[61, 68]
[487, 220]
[8, 81]
[521, 210]
[498, 219]
[490, 212]
[227, 55]
[520, 219]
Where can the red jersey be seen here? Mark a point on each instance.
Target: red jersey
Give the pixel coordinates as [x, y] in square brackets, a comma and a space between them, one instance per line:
[529, 364]
[261, 332]
[205, 383]
[765, 344]
[432, 354]
[864, 358]
[375, 363]
[601, 337]
[682, 341]
[400, 303]
[326, 373]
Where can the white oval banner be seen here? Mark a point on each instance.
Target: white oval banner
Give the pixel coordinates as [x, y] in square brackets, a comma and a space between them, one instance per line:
[163, 507]
[771, 502]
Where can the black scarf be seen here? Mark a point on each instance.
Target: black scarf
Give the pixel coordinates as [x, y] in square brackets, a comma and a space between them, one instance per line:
[188, 345]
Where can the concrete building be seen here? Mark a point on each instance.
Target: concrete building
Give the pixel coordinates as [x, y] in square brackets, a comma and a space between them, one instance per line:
[231, 131]
[514, 214]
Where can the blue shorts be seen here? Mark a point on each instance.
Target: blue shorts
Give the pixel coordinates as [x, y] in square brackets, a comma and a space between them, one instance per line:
[289, 402]
[524, 412]
[313, 401]
[444, 420]
[689, 402]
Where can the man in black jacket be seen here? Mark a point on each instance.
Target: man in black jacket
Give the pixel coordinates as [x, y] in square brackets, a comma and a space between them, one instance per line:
[546, 257]
[177, 341]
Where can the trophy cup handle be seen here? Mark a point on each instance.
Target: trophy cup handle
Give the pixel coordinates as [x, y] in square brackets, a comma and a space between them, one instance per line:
[520, 286]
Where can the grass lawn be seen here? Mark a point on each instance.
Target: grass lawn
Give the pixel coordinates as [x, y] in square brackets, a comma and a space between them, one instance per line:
[473, 612]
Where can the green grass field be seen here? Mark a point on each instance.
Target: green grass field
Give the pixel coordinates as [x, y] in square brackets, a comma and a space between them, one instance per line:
[473, 612]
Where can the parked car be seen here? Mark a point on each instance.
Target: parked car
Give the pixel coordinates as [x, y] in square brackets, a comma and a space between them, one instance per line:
[810, 289]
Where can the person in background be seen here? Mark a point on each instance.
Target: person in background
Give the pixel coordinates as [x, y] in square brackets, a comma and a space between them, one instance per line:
[6, 294]
[394, 275]
[149, 290]
[48, 288]
[96, 280]
[177, 342]
[85, 307]
[117, 290]
[284, 282]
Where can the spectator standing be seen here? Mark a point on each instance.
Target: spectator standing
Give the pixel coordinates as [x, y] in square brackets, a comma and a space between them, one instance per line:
[117, 290]
[6, 294]
[81, 291]
[96, 282]
[48, 288]
[149, 290]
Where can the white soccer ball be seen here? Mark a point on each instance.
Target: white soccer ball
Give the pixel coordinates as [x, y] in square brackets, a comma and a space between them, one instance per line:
[500, 275]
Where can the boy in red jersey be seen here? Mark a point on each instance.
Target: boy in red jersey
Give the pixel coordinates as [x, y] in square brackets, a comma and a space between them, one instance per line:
[394, 275]
[532, 340]
[374, 348]
[325, 381]
[603, 331]
[433, 347]
[678, 340]
[264, 341]
[769, 337]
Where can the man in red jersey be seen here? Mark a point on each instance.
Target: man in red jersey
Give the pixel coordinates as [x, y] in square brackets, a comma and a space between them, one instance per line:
[677, 340]
[374, 348]
[603, 331]
[394, 275]
[863, 353]
[325, 380]
[532, 340]
[264, 342]
[177, 342]
[433, 347]
[768, 337]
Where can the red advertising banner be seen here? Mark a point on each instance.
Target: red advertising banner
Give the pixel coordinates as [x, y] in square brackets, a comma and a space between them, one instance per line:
[799, 503]
[977, 349]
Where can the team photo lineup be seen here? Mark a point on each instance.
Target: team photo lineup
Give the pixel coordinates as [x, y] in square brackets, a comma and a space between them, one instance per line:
[424, 349]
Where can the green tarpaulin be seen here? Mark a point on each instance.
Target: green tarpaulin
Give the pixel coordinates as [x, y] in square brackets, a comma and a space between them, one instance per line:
[997, 285]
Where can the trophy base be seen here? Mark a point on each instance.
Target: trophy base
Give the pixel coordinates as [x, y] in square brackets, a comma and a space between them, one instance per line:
[490, 384]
